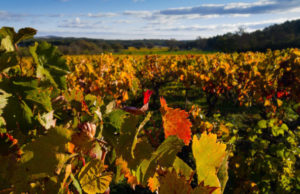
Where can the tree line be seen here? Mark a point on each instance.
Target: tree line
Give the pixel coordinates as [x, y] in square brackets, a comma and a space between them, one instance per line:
[278, 36]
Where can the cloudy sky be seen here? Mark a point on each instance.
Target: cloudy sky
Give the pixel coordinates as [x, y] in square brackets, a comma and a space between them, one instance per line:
[139, 19]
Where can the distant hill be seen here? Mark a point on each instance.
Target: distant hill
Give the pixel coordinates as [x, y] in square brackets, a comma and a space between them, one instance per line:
[277, 36]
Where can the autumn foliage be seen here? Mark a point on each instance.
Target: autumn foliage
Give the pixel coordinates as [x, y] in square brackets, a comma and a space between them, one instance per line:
[175, 122]
[85, 124]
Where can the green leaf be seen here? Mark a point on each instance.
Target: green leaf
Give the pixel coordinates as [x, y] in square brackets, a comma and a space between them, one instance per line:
[117, 118]
[51, 66]
[96, 151]
[26, 111]
[7, 169]
[223, 173]
[41, 98]
[7, 35]
[23, 34]
[110, 107]
[164, 156]
[7, 31]
[170, 183]
[50, 149]
[10, 38]
[17, 115]
[142, 151]
[93, 179]
[284, 127]
[8, 60]
[276, 131]
[262, 124]
[123, 142]
[3, 99]
[138, 131]
[182, 168]
[42, 158]
[24, 95]
[76, 184]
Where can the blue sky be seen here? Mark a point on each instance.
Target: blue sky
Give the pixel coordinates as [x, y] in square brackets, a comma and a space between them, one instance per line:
[139, 19]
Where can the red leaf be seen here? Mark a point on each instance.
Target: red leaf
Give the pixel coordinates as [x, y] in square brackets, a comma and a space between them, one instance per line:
[176, 122]
[144, 108]
[147, 96]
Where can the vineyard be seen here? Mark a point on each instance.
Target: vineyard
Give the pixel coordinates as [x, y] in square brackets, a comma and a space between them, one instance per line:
[186, 124]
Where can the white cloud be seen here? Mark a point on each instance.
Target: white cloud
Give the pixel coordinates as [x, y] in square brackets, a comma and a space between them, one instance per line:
[249, 26]
[4, 15]
[139, 14]
[180, 23]
[258, 7]
[78, 23]
[98, 15]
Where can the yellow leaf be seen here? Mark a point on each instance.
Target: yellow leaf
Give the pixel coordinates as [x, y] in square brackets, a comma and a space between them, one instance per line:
[267, 103]
[93, 179]
[223, 129]
[279, 102]
[208, 126]
[208, 156]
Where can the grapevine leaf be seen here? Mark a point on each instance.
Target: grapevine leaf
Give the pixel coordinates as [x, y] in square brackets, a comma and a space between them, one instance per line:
[201, 189]
[76, 184]
[262, 124]
[8, 40]
[93, 179]
[50, 149]
[3, 99]
[182, 168]
[171, 183]
[96, 151]
[17, 115]
[123, 166]
[47, 120]
[51, 66]
[208, 156]
[7, 35]
[135, 140]
[8, 60]
[24, 94]
[41, 98]
[124, 141]
[15, 38]
[176, 122]
[164, 156]
[23, 34]
[110, 107]
[7, 169]
[223, 173]
[127, 132]
[116, 118]
[142, 151]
